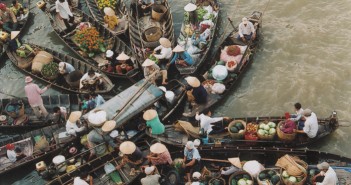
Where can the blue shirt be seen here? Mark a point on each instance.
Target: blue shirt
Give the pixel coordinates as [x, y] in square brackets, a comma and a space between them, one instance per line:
[197, 41]
[69, 68]
[183, 55]
[99, 100]
[192, 154]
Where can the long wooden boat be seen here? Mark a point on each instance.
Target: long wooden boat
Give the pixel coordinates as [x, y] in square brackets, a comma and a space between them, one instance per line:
[144, 31]
[120, 10]
[26, 142]
[70, 102]
[25, 65]
[233, 77]
[127, 107]
[182, 132]
[111, 41]
[201, 55]
[216, 158]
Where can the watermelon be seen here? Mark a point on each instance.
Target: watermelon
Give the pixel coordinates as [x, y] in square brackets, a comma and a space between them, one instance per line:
[262, 176]
[234, 130]
[239, 125]
[271, 173]
[233, 182]
[275, 179]
[246, 176]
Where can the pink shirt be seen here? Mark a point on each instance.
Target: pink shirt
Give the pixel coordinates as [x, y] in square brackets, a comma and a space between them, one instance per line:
[33, 93]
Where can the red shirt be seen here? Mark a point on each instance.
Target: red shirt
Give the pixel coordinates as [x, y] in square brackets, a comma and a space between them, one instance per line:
[163, 158]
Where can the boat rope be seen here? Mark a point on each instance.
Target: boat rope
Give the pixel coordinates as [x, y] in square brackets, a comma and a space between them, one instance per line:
[140, 37]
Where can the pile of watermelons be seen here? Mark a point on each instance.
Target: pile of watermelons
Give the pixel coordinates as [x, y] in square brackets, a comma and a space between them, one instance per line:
[269, 175]
[238, 127]
[242, 179]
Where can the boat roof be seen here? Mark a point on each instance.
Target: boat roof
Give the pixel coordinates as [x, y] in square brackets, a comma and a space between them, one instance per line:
[145, 100]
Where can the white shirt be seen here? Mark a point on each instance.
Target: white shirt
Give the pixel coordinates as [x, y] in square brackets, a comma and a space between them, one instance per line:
[99, 100]
[166, 53]
[86, 77]
[11, 154]
[195, 183]
[330, 178]
[72, 128]
[246, 30]
[79, 181]
[229, 170]
[205, 122]
[150, 180]
[299, 114]
[63, 9]
[311, 126]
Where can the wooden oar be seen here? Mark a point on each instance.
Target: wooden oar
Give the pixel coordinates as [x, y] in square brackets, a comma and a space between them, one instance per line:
[215, 160]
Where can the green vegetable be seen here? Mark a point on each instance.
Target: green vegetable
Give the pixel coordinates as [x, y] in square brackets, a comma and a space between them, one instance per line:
[50, 70]
[262, 176]
[249, 182]
[285, 174]
[262, 126]
[272, 124]
[272, 131]
[233, 182]
[153, 58]
[242, 182]
[246, 176]
[266, 127]
[292, 179]
[234, 130]
[200, 12]
[275, 179]
[261, 132]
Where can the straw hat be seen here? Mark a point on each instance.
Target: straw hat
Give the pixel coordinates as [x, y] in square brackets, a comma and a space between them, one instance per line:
[123, 56]
[109, 11]
[158, 148]
[150, 114]
[193, 81]
[149, 170]
[28, 79]
[14, 34]
[148, 62]
[109, 53]
[196, 175]
[97, 118]
[108, 126]
[235, 161]
[190, 7]
[127, 147]
[74, 116]
[178, 48]
[114, 134]
[165, 42]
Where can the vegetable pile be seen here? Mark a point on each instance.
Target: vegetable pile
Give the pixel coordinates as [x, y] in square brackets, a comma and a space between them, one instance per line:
[200, 12]
[290, 178]
[89, 41]
[106, 3]
[238, 127]
[50, 70]
[244, 179]
[153, 58]
[270, 176]
[267, 129]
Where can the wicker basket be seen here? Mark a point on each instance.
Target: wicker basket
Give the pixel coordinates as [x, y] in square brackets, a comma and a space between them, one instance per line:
[158, 11]
[220, 181]
[293, 165]
[287, 182]
[13, 114]
[283, 136]
[267, 182]
[237, 135]
[239, 173]
[153, 34]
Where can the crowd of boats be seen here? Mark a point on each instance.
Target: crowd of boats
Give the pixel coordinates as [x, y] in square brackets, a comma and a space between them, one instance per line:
[159, 130]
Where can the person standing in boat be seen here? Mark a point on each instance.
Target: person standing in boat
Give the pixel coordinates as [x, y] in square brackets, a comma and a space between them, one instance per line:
[124, 64]
[298, 117]
[98, 99]
[151, 70]
[153, 121]
[206, 122]
[71, 124]
[191, 161]
[330, 177]
[311, 124]
[33, 93]
[246, 30]
[181, 57]
[90, 80]
[163, 57]
[59, 113]
[159, 156]
[8, 20]
[64, 13]
[131, 154]
[110, 18]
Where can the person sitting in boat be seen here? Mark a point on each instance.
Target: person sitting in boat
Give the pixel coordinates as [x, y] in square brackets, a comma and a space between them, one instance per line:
[145, 6]
[65, 68]
[150, 178]
[14, 154]
[97, 98]
[110, 64]
[198, 40]
[311, 124]
[124, 64]
[206, 122]
[330, 177]
[159, 156]
[191, 160]
[65, 14]
[16, 7]
[196, 93]
[298, 117]
[164, 55]
[151, 71]
[236, 166]
[91, 80]
[100, 135]
[8, 20]
[71, 124]
[110, 18]
[181, 57]
[246, 30]
[131, 154]
[87, 104]
[59, 113]
[153, 121]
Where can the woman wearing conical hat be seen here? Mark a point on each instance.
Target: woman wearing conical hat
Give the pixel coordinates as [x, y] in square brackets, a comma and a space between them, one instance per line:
[71, 124]
[163, 53]
[131, 154]
[124, 64]
[152, 71]
[181, 57]
[153, 121]
[159, 155]
[110, 18]
[196, 93]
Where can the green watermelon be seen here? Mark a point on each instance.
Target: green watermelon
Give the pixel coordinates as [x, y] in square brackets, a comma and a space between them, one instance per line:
[233, 182]
[234, 130]
[239, 125]
[271, 173]
[246, 176]
[275, 179]
[262, 176]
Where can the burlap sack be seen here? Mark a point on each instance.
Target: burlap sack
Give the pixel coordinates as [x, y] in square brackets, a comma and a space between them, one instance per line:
[40, 59]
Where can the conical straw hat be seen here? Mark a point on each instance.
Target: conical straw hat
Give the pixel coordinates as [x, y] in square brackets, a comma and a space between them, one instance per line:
[158, 148]
[127, 147]
[108, 126]
[165, 42]
[178, 48]
[150, 114]
[14, 34]
[74, 116]
[235, 161]
[109, 11]
[190, 7]
[97, 118]
[123, 56]
[148, 62]
[193, 81]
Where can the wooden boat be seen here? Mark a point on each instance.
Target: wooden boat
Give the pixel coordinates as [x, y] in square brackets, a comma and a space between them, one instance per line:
[70, 102]
[144, 31]
[127, 107]
[120, 10]
[25, 65]
[96, 167]
[27, 143]
[181, 132]
[233, 77]
[113, 43]
[216, 158]
[201, 55]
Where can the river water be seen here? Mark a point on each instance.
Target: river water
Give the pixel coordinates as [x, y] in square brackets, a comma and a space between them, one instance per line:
[303, 57]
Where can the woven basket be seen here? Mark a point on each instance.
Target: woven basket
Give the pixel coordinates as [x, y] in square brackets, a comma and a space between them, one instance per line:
[283, 136]
[237, 135]
[158, 11]
[291, 166]
[287, 182]
[221, 181]
[267, 182]
[153, 34]
[13, 114]
[265, 137]
[239, 173]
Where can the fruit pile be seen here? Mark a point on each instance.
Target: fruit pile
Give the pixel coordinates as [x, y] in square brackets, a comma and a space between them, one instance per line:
[244, 179]
[269, 175]
[106, 3]
[89, 40]
[267, 129]
[290, 178]
[238, 127]
[251, 128]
